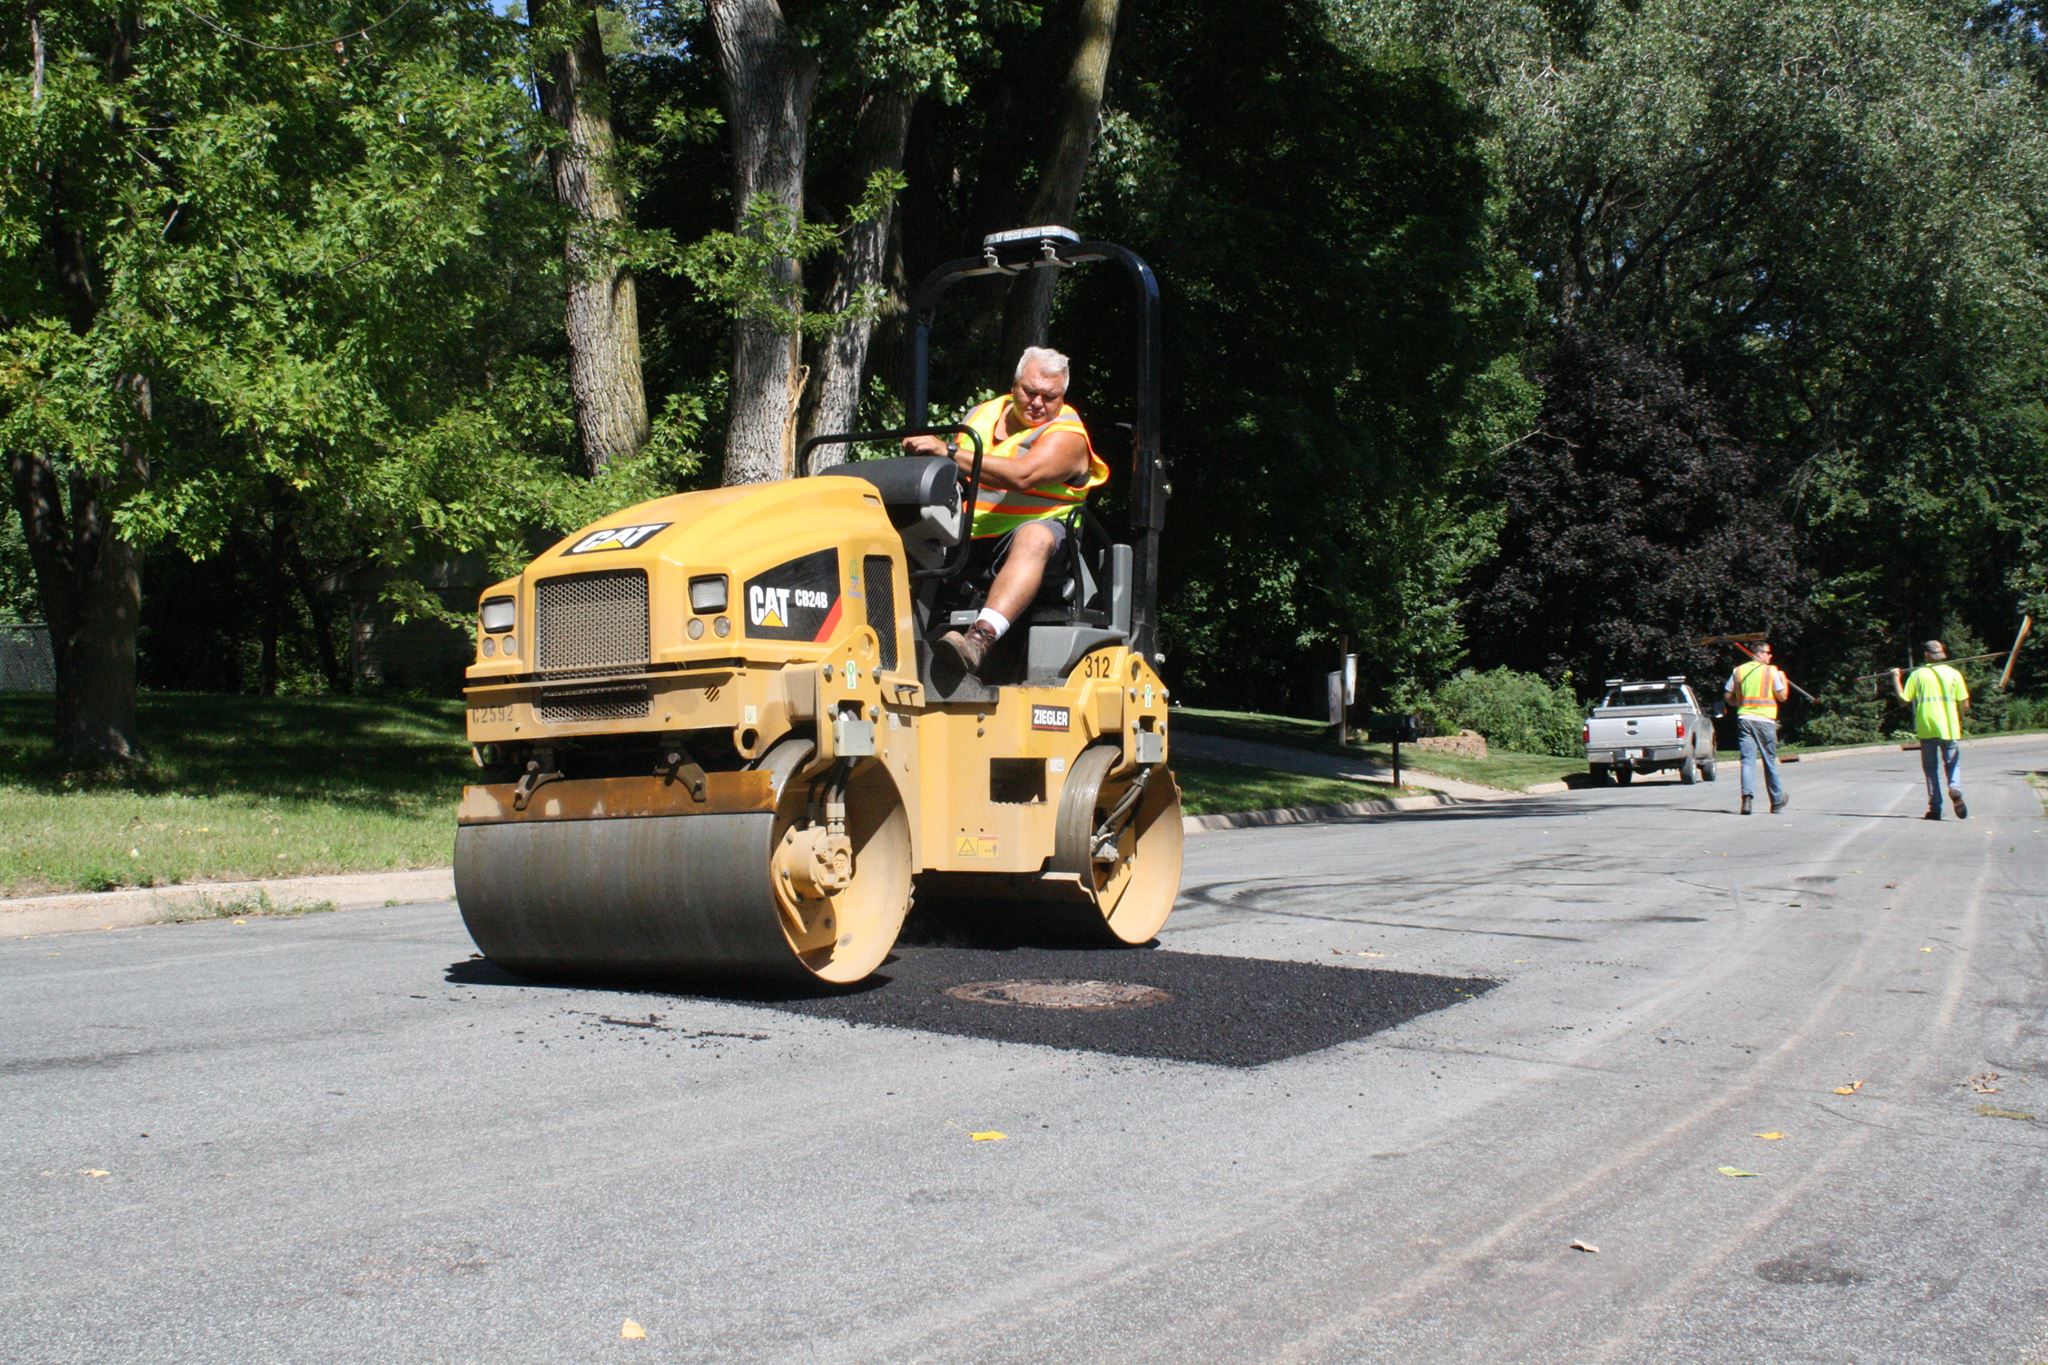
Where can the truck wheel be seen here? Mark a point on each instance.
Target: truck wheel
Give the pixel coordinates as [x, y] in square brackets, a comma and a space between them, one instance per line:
[1624, 775]
[1707, 769]
[1689, 771]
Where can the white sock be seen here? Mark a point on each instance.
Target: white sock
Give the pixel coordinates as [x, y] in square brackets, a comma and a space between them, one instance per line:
[995, 622]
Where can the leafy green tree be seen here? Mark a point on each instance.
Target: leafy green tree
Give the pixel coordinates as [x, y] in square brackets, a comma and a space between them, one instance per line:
[1342, 333]
[271, 264]
[1828, 214]
[1634, 526]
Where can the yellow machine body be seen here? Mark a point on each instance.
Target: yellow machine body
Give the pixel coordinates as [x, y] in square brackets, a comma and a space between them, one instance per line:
[710, 751]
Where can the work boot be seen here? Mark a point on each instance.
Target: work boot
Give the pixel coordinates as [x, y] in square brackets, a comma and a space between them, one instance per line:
[1955, 796]
[970, 646]
[1781, 803]
[1745, 805]
[1932, 814]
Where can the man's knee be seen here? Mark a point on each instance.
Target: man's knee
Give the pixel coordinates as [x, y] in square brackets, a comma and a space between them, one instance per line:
[1033, 540]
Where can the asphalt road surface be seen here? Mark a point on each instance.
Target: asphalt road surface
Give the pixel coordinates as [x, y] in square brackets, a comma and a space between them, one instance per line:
[339, 1137]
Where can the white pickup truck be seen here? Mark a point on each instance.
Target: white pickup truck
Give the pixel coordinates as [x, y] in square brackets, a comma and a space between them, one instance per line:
[1647, 727]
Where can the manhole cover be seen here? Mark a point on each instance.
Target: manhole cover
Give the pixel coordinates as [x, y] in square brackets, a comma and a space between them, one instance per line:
[1060, 995]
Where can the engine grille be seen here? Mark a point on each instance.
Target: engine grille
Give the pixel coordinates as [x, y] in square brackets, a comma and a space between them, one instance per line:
[591, 623]
[569, 705]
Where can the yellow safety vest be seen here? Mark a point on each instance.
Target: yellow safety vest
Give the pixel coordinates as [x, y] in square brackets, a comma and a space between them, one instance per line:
[1934, 690]
[997, 510]
[1755, 690]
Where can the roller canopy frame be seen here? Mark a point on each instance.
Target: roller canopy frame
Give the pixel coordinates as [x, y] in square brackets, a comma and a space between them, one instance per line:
[1011, 253]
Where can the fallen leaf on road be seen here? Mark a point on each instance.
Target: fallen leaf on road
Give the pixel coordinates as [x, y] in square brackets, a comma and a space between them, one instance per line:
[1984, 1082]
[1584, 1246]
[1927, 950]
[1737, 1173]
[1770, 1137]
[632, 1331]
[96, 1175]
[991, 1135]
[1989, 1111]
[1849, 1089]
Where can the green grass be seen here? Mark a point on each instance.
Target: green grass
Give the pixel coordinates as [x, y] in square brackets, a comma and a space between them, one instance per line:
[235, 787]
[1207, 787]
[1501, 768]
[1262, 729]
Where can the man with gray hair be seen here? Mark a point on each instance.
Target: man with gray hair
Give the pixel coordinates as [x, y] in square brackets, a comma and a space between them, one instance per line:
[1038, 466]
[1939, 697]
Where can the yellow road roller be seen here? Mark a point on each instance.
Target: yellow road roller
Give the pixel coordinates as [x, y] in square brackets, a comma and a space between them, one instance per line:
[717, 745]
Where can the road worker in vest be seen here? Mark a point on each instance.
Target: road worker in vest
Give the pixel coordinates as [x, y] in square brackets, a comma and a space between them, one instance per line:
[1939, 697]
[1038, 466]
[1755, 691]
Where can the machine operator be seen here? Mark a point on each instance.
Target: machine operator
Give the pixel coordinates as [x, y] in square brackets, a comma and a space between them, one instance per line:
[1038, 467]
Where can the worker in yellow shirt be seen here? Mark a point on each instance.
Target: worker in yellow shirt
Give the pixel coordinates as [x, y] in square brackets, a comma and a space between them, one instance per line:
[1755, 691]
[1939, 697]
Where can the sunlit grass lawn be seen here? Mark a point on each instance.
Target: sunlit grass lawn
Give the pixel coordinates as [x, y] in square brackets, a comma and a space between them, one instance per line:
[235, 787]
[1207, 787]
[1501, 768]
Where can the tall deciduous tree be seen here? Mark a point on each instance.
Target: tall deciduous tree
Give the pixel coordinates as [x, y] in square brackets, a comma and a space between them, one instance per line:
[1077, 111]
[603, 313]
[901, 55]
[1341, 329]
[1634, 526]
[770, 78]
[1828, 214]
[252, 259]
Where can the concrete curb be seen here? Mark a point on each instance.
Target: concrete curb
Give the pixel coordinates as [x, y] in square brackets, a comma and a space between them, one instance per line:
[94, 910]
[1308, 815]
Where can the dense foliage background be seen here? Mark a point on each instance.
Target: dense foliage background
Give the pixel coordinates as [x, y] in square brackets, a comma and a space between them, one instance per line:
[1548, 336]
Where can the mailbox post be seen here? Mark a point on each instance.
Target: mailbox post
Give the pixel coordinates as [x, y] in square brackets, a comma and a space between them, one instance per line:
[1392, 727]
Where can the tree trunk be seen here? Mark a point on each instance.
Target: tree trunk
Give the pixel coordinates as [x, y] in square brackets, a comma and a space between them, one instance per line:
[769, 82]
[1028, 309]
[832, 403]
[267, 668]
[89, 582]
[320, 611]
[603, 310]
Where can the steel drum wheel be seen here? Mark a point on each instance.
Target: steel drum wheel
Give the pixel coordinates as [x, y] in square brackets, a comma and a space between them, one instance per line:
[843, 936]
[689, 897]
[1134, 892]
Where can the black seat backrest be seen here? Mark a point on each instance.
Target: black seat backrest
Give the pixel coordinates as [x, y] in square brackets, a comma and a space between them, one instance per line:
[908, 483]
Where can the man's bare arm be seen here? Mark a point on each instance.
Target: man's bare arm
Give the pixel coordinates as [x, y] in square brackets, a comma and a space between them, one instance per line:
[1057, 456]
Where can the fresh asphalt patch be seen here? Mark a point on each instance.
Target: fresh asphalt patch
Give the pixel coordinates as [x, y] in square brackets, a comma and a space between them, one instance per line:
[1184, 1007]
[1005, 982]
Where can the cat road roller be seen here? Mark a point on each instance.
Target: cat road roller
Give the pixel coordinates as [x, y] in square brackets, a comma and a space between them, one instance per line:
[718, 748]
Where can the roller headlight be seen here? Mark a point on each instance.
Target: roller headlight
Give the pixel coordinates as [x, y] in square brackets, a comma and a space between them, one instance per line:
[499, 614]
[707, 594]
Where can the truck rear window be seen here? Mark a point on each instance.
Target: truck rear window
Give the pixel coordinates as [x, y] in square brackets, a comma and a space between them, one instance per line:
[1645, 696]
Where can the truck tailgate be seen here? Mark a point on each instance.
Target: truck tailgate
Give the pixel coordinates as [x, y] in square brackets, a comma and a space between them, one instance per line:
[1609, 732]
